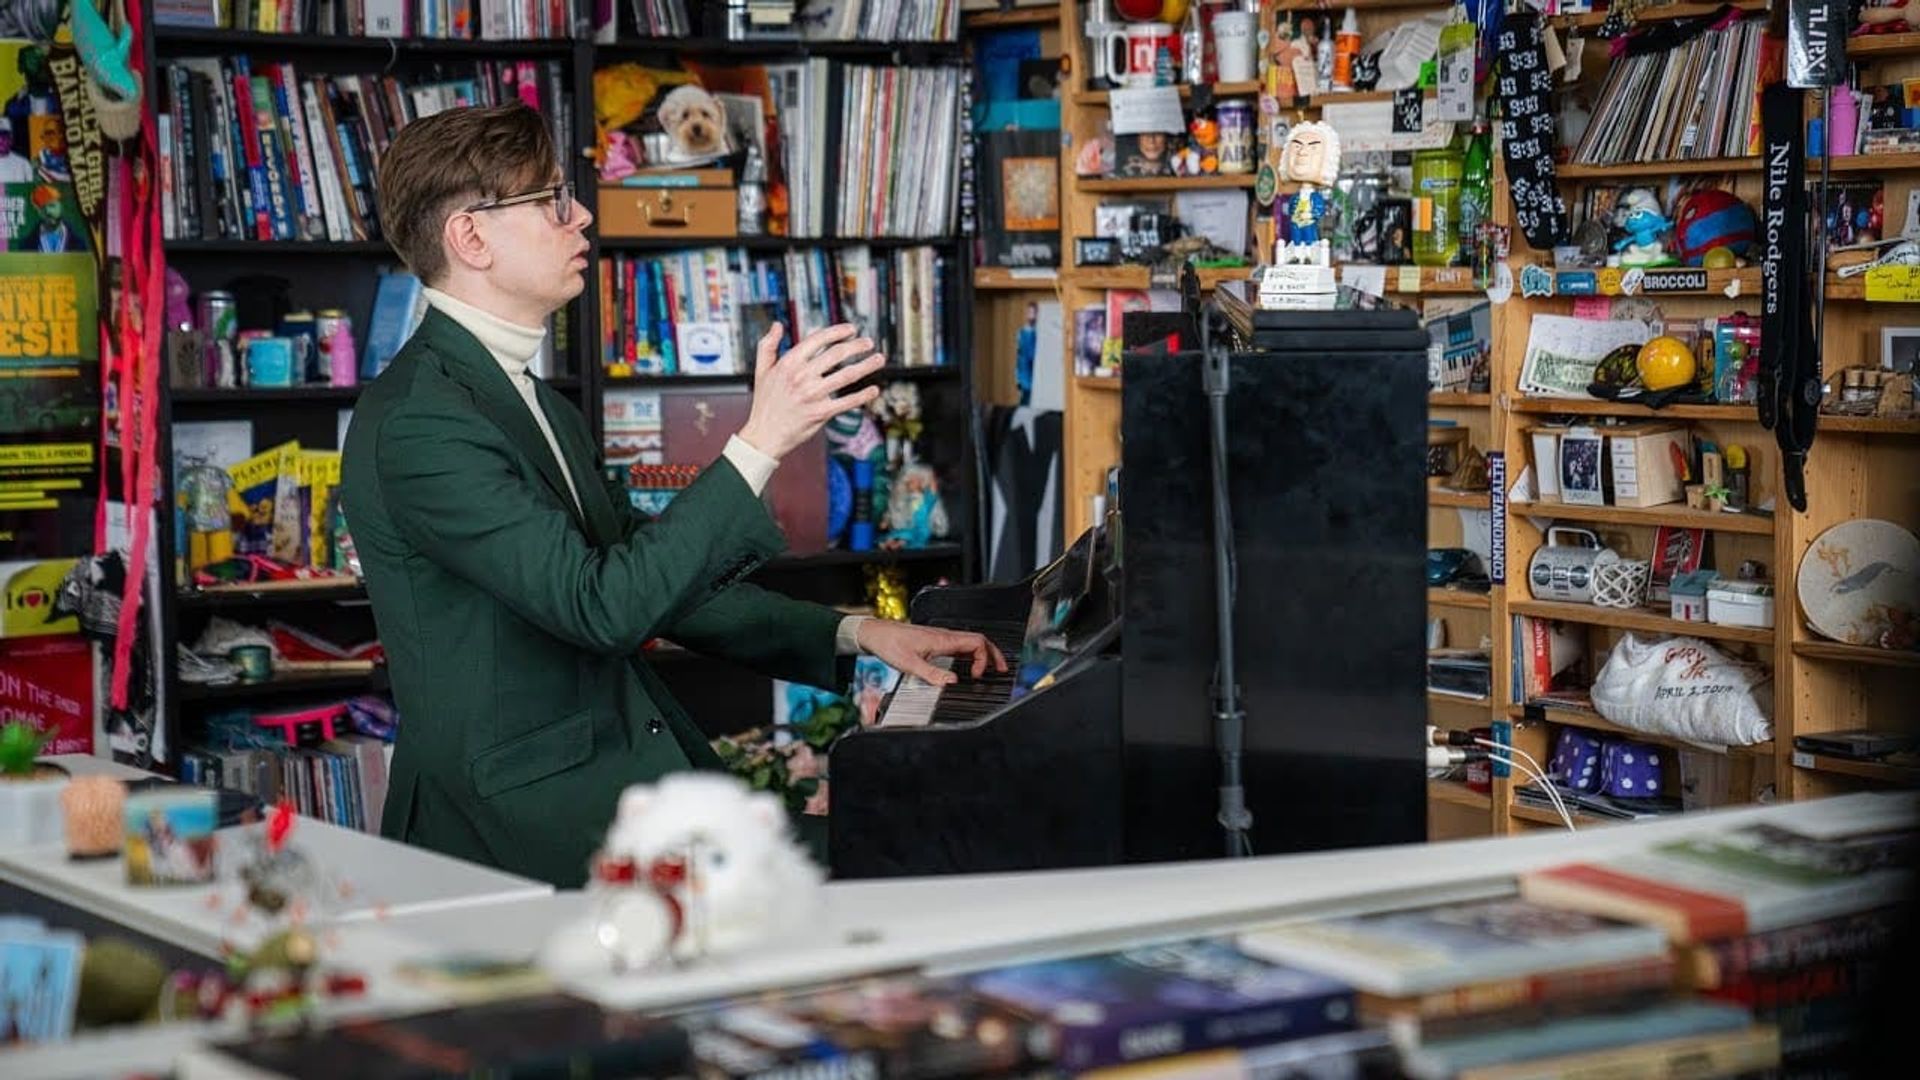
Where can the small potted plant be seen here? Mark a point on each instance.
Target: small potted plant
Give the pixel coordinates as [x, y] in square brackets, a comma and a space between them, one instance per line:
[29, 789]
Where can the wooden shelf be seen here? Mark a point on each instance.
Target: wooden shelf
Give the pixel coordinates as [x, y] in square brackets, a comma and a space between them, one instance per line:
[1540, 815]
[649, 47]
[1883, 45]
[623, 244]
[1859, 163]
[340, 684]
[1220, 90]
[1458, 399]
[1139, 277]
[1856, 654]
[1458, 794]
[1866, 770]
[1641, 619]
[1676, 514]
[1435, 697]
[1001, 277]
[1109, 383]
[280, 395]
[1733, 414]
[1023, 16]
[178, 40]
[1471, 500]
[1593, 19]
[272, 593]
[1593, 721]
[1121, 184]
[1459, 598]
[275, 248]
[1572, 171]
[1659, 281]
[1867, 425]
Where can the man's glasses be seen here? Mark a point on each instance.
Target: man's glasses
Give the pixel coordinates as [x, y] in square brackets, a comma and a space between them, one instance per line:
[560, 195]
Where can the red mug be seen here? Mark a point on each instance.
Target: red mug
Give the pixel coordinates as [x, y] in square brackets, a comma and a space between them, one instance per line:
[1144, 45]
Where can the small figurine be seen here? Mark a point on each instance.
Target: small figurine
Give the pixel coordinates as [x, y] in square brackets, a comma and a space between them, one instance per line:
[1889, 17]
[897, 411]
[697, 865]
[915, 513]
[1639, 216]
[1312, 160]
[622, 158]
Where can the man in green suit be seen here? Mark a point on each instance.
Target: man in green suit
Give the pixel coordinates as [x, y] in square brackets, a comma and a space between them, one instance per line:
[512, 586]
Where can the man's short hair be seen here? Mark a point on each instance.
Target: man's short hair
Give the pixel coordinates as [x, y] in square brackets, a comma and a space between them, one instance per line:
[439, 163]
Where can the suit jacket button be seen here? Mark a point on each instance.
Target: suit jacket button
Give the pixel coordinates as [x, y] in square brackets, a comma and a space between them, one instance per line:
[655, 727]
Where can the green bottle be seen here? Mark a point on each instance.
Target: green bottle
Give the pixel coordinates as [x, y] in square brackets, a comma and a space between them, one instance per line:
[1476, 192]
[1436, 204]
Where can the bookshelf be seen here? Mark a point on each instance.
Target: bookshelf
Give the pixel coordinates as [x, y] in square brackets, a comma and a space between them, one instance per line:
[341, 273]
[1856, 469]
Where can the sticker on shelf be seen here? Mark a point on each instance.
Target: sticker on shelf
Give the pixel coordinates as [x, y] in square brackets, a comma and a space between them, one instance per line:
[1536, 281]
[1893, 284]
[1631, 281]
[1500, 288]
[1802, 760]
[1733, 287]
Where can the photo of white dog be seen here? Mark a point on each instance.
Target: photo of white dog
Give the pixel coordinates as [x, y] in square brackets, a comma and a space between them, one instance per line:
[695, 123]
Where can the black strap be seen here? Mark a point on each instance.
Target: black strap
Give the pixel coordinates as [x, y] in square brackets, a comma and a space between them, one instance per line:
[1789, 401]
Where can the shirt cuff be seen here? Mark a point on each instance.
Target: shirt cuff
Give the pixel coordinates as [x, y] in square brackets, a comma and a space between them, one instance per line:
[755, 467]
[846, 640]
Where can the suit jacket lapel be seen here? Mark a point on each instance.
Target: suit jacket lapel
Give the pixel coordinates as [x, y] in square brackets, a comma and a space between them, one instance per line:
[496, 397]
[602, 520]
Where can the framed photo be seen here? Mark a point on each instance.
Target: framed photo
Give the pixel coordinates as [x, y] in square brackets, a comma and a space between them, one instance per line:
[1900, 348]
[1581, 482]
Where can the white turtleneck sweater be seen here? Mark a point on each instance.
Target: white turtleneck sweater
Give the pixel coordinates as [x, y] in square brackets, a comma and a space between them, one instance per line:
[514, 348]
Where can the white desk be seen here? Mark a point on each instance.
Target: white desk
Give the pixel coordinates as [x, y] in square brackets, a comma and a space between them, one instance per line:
[387, 879]
[961, 923]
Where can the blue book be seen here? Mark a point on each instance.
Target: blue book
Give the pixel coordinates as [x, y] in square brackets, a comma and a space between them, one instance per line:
[1163, 1000]
[397, 309]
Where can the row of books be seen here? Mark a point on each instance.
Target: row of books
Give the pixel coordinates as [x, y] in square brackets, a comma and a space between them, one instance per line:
[260, 152]
[1748, 949]
[701, 311]
[880, 20]
[487, 20]
[869, 151]
[1698, 99]
[661, 18]
[342, 781]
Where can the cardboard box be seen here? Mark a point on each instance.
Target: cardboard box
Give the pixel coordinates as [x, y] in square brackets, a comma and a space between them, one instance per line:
[1648, 464]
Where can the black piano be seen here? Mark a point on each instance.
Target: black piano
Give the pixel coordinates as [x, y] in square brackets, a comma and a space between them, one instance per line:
[1099, 748]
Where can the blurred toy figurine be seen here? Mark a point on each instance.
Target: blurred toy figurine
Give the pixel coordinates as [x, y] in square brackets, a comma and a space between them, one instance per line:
[897, 411]
[696, 865]
[915, 512]
[1639, 216]
[1312, 160]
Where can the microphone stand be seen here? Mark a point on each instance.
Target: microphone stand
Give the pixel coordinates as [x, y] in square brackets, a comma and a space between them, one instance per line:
[1229, 721]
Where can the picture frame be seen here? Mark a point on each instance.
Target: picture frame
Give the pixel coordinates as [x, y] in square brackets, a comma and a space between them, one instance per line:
[1582, 467]
[1900, 349]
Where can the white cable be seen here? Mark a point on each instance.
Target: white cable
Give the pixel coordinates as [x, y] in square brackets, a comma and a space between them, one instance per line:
[1533, 773]
[1553, 791]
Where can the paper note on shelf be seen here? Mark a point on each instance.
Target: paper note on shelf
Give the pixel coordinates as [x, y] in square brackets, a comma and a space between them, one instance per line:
[1893, 284]
[1371, 280]
[1154, 108]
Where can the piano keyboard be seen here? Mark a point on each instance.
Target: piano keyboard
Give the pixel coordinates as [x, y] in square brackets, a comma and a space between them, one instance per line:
[914, 699]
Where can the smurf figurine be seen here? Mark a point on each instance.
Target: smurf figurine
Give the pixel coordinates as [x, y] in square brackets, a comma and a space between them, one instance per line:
[1312, 160]
[1639, 216]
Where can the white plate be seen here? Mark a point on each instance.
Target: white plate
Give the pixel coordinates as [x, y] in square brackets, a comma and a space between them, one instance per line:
[1858, 578]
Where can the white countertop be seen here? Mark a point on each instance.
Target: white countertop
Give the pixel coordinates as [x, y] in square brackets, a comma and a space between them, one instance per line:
[935, 924]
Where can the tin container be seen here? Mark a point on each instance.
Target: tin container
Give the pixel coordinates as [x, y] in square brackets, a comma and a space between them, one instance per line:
[270, 361]
[326, 324]
[254, 661]
[298, 327]
[1236, 135]
[219, 316]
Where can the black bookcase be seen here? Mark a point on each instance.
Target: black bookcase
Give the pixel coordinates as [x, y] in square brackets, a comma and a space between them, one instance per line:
[344, 275]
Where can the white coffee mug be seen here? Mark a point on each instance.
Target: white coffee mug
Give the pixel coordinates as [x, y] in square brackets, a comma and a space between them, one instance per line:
[1137, 64]
[1233, 46]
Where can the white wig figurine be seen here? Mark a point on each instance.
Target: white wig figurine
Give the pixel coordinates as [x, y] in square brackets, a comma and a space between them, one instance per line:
[696, 865]
[1311, 159]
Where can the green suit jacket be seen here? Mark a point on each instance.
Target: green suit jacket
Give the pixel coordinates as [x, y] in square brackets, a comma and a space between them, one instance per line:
[512, 622]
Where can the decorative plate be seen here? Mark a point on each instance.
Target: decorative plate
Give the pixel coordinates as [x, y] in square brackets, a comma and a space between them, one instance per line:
[1861, 579]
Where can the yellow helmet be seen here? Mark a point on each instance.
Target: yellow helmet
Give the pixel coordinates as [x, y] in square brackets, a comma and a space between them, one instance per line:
[1665, 363]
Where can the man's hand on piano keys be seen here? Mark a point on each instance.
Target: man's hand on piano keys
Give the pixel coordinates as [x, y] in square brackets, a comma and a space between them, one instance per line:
[910, 649]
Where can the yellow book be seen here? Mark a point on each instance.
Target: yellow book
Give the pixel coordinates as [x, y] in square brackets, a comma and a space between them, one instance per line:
[319, 475]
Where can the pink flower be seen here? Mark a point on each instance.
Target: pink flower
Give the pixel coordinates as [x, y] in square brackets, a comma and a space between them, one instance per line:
[802, 763]
[817, 803]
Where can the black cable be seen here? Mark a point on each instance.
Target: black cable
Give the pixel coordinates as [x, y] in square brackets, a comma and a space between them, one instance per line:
[1228, 718]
